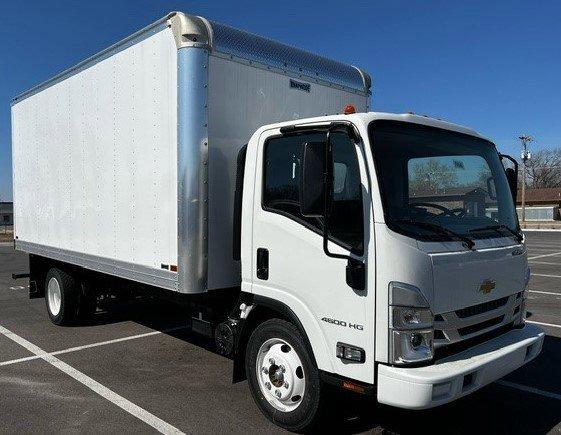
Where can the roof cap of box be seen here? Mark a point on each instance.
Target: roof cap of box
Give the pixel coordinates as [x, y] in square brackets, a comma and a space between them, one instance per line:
[220, 39]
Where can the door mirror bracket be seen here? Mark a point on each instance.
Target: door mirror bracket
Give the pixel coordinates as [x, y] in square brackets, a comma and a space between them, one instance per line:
[316, 195]
[511, 176]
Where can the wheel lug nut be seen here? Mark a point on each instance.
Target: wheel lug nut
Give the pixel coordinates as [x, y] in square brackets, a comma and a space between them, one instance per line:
[268, 385]
[271, 361]
[286, 385]
[265, 370]
[278, 393]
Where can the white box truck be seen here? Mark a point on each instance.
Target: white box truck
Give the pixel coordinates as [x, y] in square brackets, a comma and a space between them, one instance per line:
[377, 252]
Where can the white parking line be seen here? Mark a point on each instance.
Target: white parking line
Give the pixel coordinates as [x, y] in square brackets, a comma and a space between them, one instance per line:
[553, 325]
[87, 346]
[545, 262]
[548, 276]
[135, 410]
[544, 255]
[544, 293]
[530, 389]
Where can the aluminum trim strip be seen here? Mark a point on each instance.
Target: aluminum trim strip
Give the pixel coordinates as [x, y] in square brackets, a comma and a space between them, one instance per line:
[192, 169]
[143, 274]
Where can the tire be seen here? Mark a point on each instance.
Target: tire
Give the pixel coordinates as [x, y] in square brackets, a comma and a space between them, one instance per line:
[61, 297]
[273, 346]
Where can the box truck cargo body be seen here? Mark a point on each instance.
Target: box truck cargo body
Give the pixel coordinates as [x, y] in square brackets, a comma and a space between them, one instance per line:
[126, 162]
[315, 241]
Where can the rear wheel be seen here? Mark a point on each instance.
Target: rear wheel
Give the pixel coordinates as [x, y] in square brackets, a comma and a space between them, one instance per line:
[282, 376]
[60, 296]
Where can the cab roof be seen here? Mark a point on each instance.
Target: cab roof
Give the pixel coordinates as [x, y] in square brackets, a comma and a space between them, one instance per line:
[366, 118]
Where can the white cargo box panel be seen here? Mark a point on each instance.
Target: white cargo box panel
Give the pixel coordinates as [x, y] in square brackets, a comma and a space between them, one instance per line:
[125, 163]
[95, 161]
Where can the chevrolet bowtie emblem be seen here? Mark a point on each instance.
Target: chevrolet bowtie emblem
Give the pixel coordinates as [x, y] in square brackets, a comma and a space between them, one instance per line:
[487, 286]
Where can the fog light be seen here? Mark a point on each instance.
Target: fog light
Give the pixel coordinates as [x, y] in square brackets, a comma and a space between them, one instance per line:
[416, 340]
[411, 346]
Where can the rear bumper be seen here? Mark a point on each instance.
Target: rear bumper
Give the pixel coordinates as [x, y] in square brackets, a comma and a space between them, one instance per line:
[460, 374]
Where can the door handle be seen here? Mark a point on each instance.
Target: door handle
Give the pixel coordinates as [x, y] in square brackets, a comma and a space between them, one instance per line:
[263, 263]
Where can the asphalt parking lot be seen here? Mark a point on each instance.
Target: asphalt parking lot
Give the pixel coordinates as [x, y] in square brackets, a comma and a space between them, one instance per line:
[138, 369]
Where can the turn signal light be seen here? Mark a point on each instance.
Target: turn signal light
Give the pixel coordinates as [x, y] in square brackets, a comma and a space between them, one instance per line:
[353, 387]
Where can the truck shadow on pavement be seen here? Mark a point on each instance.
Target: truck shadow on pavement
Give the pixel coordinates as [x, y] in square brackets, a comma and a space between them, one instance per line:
[493, 409]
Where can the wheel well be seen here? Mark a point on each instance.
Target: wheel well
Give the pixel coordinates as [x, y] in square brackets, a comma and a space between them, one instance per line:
[263, 310]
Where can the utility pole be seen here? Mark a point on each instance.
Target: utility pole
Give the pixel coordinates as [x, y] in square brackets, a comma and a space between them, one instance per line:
[526, 155]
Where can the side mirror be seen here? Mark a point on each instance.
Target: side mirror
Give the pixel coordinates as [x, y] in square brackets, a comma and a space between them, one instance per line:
[312, 179]
[512, 178]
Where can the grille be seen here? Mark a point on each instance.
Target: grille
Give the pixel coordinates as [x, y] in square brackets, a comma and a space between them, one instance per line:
[454, 348]
[467, 330]
[481, 308]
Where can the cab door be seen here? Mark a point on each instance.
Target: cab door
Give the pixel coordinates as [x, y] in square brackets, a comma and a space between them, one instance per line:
[288, 260]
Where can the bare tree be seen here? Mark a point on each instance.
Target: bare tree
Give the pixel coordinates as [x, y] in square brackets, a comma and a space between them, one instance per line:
[432, 176]
[544, 169]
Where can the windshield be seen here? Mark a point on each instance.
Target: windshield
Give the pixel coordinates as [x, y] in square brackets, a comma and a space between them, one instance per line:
[441, 185]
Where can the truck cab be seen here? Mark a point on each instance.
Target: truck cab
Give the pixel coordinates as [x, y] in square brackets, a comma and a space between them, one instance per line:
[394, 243]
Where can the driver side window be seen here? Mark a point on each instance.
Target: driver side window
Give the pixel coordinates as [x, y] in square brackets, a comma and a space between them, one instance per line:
[281, 186]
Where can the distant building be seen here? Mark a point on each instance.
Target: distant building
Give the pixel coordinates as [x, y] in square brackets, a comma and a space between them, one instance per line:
[541, 204]
[6, 214]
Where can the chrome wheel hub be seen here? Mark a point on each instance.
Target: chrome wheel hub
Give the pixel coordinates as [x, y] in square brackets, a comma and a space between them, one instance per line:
[280, 375]
[54, 296]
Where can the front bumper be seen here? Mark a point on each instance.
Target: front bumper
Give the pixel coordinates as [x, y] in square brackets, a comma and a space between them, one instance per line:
[460, 374]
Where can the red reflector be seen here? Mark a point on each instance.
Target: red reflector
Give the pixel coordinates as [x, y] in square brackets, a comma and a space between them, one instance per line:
[349, 109]
[173, 268]
[353, 387]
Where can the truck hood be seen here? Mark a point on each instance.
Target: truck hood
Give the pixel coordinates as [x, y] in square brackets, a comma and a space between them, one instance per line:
[465, 278]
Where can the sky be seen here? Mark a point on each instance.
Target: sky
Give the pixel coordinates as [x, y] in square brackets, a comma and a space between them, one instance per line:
[492, 65]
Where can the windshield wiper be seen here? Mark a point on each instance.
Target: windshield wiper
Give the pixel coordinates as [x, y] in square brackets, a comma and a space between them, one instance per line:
[518, 237]
[438, 229]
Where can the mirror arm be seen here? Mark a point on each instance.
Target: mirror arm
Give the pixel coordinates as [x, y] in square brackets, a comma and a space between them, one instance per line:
[514, 162]
[355, 270]
[328, 192]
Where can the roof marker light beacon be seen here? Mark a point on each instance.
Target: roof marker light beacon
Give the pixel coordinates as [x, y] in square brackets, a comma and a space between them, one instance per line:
[314, 241]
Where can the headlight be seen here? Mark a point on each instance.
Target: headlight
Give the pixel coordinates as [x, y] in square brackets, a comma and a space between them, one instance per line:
[411, 318]
[411, 325]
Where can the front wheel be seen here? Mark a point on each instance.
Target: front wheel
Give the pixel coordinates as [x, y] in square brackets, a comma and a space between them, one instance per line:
[282, 376]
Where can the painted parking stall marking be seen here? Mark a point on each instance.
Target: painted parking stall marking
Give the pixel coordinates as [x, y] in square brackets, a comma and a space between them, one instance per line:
[19, 287]
[530, 389]
[135, 410]
[545, 255]
[88, 346]
[547, 276]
